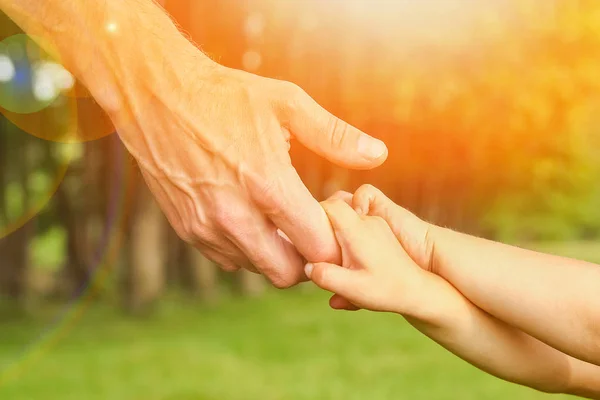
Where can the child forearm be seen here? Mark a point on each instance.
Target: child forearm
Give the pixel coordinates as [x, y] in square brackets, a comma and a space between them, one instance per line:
[498, 348]
[386, 267]
[554, 299]
[585, 379]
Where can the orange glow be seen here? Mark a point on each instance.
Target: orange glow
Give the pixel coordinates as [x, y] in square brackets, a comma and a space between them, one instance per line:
[421, 20]
[467, 94]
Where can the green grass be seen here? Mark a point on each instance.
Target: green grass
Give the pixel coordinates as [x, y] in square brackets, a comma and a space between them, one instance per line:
[285, 345]
[282, 346]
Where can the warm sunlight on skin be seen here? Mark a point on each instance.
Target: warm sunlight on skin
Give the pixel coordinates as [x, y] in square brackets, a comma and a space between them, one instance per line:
[212, 142]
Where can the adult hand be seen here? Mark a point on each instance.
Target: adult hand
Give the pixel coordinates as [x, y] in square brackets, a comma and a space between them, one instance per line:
[219, 166]
[212, 142]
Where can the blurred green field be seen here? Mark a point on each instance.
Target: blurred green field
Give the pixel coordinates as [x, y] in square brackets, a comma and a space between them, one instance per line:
[285, 345]
[583, 250]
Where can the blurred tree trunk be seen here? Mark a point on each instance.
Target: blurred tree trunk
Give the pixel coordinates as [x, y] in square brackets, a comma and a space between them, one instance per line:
[3, 172]
[205, 276]
[14, 258]
[146, 270]
[76, 270]
[251, 284]
[177, 267]
[13, 263]
[74, 206]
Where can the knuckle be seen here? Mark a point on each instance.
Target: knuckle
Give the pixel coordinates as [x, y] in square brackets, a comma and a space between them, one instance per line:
[341, 195]
[336, 208]
[325, 254]
[270, 195]
[329, 206]
[281, 280]
[338, 132]
[186, 236]
[368, 198]
[223, 217]
[320, 275]
[218, 258]
[367, 190]
[192, 231]
[229, 267]
[292, 92]
[270, 188]
[293, 97]
[370, 188]
[337, 202]
[228, 216]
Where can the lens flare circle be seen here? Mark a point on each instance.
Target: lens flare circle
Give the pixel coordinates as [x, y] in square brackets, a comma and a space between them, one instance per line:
[23, 88]
[42, 183]
[7, 68]
[42, 98]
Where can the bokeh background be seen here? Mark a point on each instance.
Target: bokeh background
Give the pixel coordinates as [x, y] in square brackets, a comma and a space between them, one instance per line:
[490, 110]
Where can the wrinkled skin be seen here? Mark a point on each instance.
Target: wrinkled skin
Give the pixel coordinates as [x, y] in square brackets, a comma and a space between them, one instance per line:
[217, 160]
[212, 142]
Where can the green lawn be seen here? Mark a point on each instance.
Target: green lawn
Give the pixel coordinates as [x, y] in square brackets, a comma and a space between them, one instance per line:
[282, 346]
[285, 345]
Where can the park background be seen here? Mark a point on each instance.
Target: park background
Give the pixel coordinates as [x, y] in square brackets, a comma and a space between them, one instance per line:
[490, 110]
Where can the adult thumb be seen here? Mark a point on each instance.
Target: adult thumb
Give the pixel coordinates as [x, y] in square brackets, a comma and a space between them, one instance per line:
[332, 138]
[334, 278]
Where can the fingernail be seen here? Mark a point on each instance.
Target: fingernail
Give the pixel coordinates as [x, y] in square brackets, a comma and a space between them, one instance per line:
[308, 268]
[370, 147]
[283, 236]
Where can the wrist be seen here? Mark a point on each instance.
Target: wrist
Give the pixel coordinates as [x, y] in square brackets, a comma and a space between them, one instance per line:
[137, 57]
[435, 240]
[116, 48]
[413, 300]
[431, 302]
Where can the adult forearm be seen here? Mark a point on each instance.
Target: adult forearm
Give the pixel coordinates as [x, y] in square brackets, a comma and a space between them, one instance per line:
[130, 56]
[212, 143]
[115, 47]
[554, 299]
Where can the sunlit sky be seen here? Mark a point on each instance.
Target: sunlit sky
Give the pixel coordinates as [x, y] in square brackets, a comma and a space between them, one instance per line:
[421, 21]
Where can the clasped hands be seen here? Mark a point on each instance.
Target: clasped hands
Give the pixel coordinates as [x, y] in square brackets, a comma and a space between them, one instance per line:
[387, 255]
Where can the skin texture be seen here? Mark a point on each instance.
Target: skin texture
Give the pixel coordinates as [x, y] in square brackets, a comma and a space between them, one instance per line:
[212, 142]
[389, 263]
[554, 299]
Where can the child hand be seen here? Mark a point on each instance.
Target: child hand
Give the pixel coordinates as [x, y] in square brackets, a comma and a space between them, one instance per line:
[376, 272]
[415, 235]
